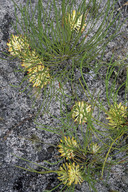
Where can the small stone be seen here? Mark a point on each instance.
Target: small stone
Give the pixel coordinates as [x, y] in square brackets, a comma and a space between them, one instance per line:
[50, 149]
[43, 155]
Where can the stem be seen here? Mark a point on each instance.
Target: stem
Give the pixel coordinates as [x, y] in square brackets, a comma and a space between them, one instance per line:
[108, 154]
[126, 95]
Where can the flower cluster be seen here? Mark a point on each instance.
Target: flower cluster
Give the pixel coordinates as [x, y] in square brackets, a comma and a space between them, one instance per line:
[75, 21]
[39, 76]
[94, 148]
[30, 59]
[67, 147]
[17, 44]
[117, 115]
[72, 170]
[70, 174]
[37, 73]
[80, 110]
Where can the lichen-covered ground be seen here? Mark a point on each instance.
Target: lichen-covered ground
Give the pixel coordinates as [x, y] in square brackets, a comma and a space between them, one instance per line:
[17, 114]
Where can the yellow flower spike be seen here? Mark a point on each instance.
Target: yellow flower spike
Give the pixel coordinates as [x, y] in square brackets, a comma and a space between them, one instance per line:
[66, 147]
[70, 174]
[39, 76]
[117, 115]
[75, 21]
[17, 44]
[80, 110]
[75, 175]
[94, 148]
[30, 58]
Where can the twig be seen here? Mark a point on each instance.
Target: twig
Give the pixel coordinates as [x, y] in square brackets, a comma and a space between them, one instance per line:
[122, 6]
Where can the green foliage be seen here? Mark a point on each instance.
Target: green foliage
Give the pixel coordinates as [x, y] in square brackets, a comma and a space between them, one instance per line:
[51, 35]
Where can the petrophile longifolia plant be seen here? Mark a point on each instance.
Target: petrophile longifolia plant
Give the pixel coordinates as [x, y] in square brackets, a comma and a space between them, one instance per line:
[52, 39]
[62, 32]
[112, 131]
[78, 163]
[52, 42]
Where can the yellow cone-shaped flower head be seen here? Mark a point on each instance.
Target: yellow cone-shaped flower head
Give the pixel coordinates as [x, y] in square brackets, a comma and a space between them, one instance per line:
[31, 59]
[39, 75]
[80, 110]
[75, 21]
[67, 147]
[70, 174]
[117, 115]
[94, 148]
[17, 44]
